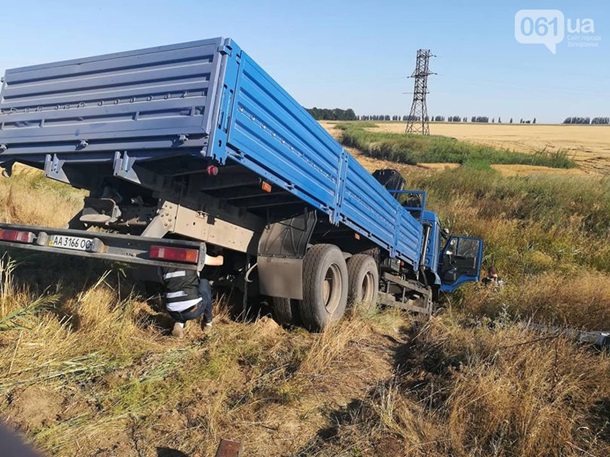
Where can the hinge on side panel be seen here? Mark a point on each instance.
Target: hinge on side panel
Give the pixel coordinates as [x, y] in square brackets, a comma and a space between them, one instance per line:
[225, 50]
[53, 168]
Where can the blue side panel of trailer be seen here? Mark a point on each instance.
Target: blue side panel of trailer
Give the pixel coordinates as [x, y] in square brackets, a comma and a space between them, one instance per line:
[271, 133]
[207, 100]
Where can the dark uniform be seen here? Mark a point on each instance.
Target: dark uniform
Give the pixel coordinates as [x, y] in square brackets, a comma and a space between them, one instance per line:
[187, 296]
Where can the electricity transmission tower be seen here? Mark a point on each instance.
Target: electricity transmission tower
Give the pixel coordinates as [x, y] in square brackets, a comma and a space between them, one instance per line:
[417, 122]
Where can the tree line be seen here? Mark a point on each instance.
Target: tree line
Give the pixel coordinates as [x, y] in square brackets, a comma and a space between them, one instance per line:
[335, 114]
[481, 119]
[587, 120]
[338, 114]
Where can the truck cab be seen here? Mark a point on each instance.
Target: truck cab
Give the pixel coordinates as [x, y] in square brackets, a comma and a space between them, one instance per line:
[453, 259]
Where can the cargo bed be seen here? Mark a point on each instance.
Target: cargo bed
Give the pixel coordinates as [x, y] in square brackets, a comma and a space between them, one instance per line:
[199, 103]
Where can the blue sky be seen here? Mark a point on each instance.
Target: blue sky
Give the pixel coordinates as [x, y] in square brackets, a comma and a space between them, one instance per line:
[346, 54]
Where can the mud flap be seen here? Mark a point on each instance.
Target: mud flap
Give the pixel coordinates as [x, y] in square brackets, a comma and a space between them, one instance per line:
[281, 249]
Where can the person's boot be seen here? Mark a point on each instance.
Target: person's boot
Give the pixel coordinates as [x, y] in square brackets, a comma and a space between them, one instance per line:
[205, 324]
[178, 330]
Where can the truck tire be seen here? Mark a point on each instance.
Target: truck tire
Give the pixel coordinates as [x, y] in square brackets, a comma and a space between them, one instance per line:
[286, 310]
[325, 283]
[363, 283]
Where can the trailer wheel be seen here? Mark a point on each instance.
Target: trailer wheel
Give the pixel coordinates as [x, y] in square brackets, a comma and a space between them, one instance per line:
[325, 283]
[286, 310]
[363, 289]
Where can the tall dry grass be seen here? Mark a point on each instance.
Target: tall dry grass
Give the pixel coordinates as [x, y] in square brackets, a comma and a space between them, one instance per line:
[472, 389]
[89, 369]
[94, 371]
[27, 197]
[547, 235]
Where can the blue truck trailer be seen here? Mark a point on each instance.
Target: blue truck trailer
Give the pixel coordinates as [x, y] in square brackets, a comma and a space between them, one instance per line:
[193, 147]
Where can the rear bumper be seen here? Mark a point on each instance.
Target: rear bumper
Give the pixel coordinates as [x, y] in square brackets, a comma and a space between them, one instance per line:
[109, 246]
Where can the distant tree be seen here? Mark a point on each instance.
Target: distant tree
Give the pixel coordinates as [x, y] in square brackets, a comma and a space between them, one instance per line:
[493, 120]
[499, 120]
[483, 119]
[511, 120]
[336, 114]
[534, 121]
[580, 120]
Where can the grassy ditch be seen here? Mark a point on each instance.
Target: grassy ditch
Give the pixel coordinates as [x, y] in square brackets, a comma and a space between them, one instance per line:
[89, 369]
[547, 234]
[414, 149]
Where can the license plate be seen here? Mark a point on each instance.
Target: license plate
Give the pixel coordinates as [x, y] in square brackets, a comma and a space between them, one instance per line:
[71, 242]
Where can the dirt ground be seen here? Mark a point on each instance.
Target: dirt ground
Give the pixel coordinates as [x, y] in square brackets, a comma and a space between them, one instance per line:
[589, 145]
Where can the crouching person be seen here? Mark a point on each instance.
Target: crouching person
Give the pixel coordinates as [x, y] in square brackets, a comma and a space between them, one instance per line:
[187, 296]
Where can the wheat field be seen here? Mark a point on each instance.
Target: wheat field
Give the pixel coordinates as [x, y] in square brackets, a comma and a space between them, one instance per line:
[589, 145]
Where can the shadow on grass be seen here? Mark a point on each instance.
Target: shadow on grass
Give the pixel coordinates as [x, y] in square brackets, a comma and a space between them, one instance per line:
[328, 437]
[168, 452]
[354, 427]
[65, 278]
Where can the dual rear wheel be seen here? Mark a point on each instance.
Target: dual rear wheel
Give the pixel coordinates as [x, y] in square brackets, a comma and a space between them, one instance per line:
[330, 284]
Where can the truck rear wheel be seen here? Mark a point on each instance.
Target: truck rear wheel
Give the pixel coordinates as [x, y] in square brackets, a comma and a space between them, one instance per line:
[286, 310]
[363, 289]
[325, 283]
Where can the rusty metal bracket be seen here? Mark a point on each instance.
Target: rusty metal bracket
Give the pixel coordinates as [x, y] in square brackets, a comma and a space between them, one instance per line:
[229, 448]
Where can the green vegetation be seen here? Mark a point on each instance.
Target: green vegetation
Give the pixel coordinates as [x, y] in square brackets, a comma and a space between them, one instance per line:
[88, 368]
[413, 149]
[336, 114]
[547, 234]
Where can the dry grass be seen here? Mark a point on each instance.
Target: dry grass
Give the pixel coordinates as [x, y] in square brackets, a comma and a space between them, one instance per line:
[88, 367]
[97, 374]
[470, 388]
[31, 199]
[580, 301]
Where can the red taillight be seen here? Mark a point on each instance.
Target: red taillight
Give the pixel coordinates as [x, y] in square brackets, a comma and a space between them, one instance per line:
[174, 254]
[16, 235]
[212, 170]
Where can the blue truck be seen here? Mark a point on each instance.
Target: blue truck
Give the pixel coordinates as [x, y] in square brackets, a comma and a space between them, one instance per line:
[194, 148]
